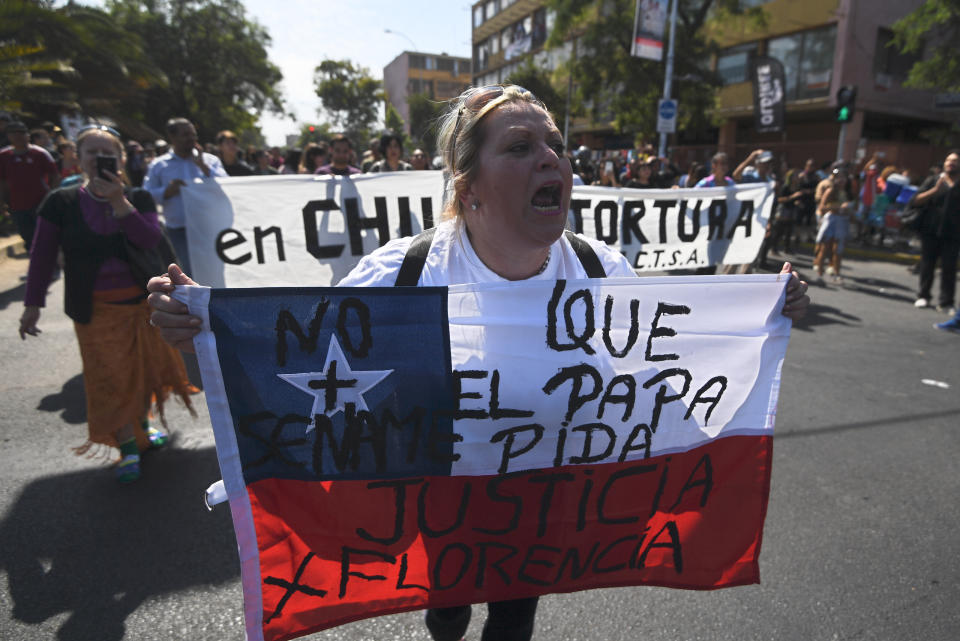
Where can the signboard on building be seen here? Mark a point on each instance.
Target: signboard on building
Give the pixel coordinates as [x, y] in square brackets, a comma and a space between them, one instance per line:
[649, 24]
[768, 94]
[946, 101]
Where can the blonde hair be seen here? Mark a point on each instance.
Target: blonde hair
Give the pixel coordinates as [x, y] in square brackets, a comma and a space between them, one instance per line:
[121, 154]
[461, 135]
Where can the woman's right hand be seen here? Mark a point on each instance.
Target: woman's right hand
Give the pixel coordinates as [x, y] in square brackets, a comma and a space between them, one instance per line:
[28, 321]
[170, 316]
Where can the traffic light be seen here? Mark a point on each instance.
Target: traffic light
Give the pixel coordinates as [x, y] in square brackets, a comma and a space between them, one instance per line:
[846, 99]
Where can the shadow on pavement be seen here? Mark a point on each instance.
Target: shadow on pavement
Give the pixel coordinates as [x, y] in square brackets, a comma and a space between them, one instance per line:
[824, 315]
[13, 296]
[71, 399]
[81, 543]
[906, 419]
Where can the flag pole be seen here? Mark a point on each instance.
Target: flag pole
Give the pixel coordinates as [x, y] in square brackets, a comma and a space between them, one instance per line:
[668, 75]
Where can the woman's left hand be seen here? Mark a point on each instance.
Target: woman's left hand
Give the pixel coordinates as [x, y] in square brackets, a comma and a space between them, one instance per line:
[797, 303]
[28, 322]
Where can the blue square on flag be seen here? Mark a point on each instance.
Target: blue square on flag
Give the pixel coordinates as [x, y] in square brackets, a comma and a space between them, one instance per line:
[337, 383]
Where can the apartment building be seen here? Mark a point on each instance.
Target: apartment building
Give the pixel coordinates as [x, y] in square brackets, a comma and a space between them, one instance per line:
[824, 45]
[440, 76]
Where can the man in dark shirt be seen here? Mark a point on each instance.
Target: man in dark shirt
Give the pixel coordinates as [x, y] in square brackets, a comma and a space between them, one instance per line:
[27, 173]
[341, 150]
[939, 195]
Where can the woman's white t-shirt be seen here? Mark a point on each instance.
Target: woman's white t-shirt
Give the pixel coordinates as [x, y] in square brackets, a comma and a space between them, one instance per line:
[452, 261]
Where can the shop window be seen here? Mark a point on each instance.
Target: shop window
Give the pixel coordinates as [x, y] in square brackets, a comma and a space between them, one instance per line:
[888, 63]
[807, 59]
[733, 64]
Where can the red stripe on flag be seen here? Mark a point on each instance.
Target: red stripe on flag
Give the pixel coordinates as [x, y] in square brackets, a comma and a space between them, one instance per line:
[336, 551]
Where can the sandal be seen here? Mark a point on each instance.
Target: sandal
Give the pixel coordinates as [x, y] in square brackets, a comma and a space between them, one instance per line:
[128, 469]
[157, 438]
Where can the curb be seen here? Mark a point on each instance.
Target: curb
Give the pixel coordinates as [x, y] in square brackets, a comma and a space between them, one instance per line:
[871, 253]
[10, 246]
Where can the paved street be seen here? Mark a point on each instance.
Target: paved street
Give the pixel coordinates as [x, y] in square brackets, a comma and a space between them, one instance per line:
[861, 538]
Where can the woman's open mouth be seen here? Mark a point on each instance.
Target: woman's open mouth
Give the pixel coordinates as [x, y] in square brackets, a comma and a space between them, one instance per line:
[548, 198]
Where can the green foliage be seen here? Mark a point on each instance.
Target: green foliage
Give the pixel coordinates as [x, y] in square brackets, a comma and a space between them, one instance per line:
[320, 132]
[612, 86]
[934, 25]
[424, 115]
[542, 85]
[349, 95]
[139, 63]
[53, 57]
[214, 58]
[393, 121]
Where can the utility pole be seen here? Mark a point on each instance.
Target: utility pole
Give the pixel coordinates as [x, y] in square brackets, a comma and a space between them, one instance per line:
[668, 75]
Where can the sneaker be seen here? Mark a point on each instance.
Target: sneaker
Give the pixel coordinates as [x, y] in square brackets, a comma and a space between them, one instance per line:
[921, 302]
[128, 469]
[949, 310]
[952, 325]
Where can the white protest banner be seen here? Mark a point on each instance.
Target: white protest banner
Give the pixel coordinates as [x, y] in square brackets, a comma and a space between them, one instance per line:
[311, 230]
[389, 449]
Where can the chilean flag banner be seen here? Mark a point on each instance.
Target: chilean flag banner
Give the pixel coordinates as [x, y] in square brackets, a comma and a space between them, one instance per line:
[391, 449]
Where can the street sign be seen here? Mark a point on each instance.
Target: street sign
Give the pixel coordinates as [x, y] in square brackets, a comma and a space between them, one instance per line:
[667, 116]
[946, 101]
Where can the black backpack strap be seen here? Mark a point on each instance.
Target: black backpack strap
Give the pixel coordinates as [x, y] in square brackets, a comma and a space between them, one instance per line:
[415, 259]
[588, 258]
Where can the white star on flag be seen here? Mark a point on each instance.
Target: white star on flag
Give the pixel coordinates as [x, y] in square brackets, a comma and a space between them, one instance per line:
[336, 385]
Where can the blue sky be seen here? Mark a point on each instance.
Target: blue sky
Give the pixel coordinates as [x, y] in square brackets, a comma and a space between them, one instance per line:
[304, 32]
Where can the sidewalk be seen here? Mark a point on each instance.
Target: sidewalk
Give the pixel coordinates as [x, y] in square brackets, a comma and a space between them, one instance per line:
[887, 254]
[10, 246]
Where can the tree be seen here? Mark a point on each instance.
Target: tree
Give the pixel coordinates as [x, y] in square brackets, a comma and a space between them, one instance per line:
[934, 25]
[349, 95]
[215, 58]
[393, 122]
[53, 57]
[424, 115]
[621, 89]
[541, 84]
[313, 133]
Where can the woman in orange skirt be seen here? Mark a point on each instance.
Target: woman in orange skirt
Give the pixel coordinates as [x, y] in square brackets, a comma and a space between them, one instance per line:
[126, 365]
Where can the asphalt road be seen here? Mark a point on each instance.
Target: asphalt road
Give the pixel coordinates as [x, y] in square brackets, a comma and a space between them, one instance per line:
[861, 539]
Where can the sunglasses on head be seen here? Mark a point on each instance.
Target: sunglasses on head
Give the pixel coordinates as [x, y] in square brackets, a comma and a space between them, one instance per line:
[98, 127]
[482, 96]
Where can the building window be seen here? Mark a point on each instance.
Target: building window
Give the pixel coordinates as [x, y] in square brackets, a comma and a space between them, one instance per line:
[807, 59]
[481, 55]
[431, 63]
[447, 64]
[733, 64]
[490, 9]
[416, 61]
[889, 65]
[477, 16]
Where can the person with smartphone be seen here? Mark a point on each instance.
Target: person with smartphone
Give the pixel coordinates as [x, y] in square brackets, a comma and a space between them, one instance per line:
[125, 361]
[172, 172]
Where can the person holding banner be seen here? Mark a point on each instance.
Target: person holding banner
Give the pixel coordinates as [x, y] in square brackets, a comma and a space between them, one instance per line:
[507, 201]
[718, 177]
[125, 362]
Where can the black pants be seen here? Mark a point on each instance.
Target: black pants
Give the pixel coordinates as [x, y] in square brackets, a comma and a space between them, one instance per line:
[506, 621]
[26, 221]
[945, 249]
